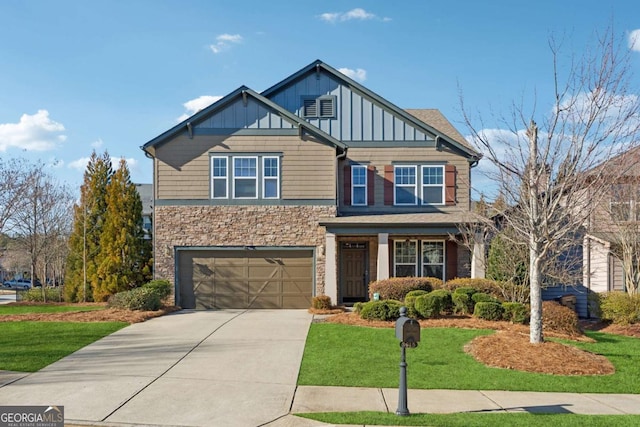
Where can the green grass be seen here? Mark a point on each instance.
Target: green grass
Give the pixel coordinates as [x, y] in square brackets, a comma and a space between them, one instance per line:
[343, 355]
[475, 420]
[46, 308]
[30, 346]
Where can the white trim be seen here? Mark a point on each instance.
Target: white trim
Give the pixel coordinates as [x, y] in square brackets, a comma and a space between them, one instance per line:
[414, 185]
[423, 185]
[265, 178]
[415, 262]
[353, 185]
[234, 177]
[225, 178]
[444, 257]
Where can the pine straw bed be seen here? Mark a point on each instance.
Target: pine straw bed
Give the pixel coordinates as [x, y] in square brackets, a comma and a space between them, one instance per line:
[510, 348]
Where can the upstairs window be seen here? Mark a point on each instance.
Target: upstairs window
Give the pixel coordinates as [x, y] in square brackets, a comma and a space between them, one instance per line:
[319, 107]
[245, 177]
[219, 182]
[358, 185]
[432, 185]
[405, 185]
[624, 204]
[271, 177]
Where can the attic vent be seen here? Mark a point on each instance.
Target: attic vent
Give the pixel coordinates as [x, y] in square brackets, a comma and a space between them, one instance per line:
[320, 107]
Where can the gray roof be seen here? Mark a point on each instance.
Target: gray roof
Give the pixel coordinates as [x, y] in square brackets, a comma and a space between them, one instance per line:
[437, 120]
[408, 219]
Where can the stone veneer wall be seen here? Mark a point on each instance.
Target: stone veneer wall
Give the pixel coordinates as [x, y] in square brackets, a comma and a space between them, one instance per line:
[238, 226]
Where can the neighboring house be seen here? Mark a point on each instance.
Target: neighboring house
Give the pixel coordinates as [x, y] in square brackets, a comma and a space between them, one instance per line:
[614, 228]
[315, 186]
[146, 196]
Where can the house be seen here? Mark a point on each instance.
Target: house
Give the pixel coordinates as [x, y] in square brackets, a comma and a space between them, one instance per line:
[612, 243]
[315, 186]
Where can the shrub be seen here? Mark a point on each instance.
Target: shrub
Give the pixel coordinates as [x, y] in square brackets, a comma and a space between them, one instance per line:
[136, 299]
[488, 310]
[620, 307]
[486, 286]
[432, 304]
[462, 304]
[482, 297]
[357, 307]
[35, 295]
[321, 302]
[381, 310]
[558, 318]
[410, 301]
[161, 286]
[515, 312]
[397, 287]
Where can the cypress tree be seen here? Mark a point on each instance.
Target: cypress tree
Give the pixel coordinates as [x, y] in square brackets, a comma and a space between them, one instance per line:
[89, 218]
[121, 263]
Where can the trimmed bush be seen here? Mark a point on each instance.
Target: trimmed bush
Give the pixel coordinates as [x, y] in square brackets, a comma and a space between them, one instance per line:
[357, 307]
[482, 297]
[410, 301]
[160, 286]
[462, 304]
[145, 299]
[620, 307]
[515, 312]
[35, 295]
[321, 302]
[487, 286]
[432, 304]
[381, 310]
[558, 318]
[416, 293]
[398, 287]
[488, 310]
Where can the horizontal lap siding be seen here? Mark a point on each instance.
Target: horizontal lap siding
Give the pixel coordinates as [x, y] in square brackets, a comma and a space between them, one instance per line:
[183, 169]
[381, 157]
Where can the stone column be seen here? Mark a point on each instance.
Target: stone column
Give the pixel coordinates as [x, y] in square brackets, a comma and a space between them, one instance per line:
[331, 271]
[383, 256]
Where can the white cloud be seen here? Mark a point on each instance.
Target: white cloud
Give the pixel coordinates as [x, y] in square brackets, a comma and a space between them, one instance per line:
[634, 40]
[35, 132]
[358, 74]
[354, 14]
[224, 42]
[197, 104]
[81, 163]
[97, 143]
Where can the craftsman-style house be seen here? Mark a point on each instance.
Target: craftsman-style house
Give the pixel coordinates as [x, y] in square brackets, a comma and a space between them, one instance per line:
[315, 186]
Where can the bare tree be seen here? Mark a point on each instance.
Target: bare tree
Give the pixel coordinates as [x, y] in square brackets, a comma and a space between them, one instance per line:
[12, 186]
[540, 160]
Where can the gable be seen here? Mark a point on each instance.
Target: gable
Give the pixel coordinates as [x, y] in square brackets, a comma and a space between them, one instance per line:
[361, 117]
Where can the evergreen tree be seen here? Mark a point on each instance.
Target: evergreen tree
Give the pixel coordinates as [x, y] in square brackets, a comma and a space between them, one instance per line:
[89, 219]
[121, 263]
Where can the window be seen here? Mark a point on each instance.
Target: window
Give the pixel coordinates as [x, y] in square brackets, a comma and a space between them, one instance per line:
[219, 183]
[358, 185]
[245, 177]
[624, 202]
[405, 188]
[405, 258]
[432, 185]
[430, 263]
[433, 259]
[270, 177]
[319, 107]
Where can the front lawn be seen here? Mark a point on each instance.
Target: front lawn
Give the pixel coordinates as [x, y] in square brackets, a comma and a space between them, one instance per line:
[30, 346]
[476, 420]
[46, 308]
[344, 355]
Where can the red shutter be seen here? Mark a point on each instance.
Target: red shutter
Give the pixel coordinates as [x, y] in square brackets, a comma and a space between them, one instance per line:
[450, 184]
[452, 260]
[347, 185]
[388, 185]
[371, 190]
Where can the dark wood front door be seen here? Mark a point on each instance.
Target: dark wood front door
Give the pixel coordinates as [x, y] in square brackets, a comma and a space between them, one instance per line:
[354, 272]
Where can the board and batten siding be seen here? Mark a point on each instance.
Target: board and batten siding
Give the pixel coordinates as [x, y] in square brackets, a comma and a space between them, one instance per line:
[358, 118]
[241, 115]
[381, 157]
[183, 165]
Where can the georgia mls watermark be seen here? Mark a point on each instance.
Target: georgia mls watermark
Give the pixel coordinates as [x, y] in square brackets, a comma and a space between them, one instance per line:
[31, 416]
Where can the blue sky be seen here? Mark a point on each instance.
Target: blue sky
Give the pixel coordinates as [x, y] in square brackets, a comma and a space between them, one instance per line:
[82, 75]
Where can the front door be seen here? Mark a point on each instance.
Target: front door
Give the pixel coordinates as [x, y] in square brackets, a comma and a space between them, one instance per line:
[354, 272]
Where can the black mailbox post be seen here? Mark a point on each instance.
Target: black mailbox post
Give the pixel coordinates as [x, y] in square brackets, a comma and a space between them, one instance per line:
[408, 332]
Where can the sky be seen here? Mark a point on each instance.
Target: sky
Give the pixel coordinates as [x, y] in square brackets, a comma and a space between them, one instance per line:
[84, 75]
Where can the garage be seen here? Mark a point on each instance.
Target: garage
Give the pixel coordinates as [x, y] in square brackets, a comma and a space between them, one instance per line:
[245, 278]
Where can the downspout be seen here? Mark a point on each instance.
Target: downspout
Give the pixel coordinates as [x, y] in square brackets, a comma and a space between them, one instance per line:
[338, 158]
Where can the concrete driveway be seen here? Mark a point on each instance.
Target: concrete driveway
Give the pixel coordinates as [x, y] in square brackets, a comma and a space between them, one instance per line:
[204, 368]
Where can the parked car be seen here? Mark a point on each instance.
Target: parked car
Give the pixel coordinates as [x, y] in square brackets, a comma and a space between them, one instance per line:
[17, 284]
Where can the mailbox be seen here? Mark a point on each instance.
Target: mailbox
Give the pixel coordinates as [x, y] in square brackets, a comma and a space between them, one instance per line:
[407, 329]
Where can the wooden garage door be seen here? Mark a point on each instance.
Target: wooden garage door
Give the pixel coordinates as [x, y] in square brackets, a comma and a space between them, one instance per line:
[245, 278]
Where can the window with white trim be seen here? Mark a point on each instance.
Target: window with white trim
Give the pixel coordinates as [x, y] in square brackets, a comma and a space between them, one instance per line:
[405, 185]
[432, 185]
[405, 258]
[270, 177]
[219, 180]
[433, 259]
[245, 177]
[358, 185]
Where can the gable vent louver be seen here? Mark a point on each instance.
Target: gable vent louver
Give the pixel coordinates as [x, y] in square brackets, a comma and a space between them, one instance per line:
[326, 107]
[310, 108]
